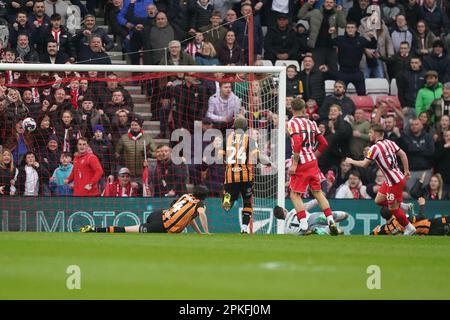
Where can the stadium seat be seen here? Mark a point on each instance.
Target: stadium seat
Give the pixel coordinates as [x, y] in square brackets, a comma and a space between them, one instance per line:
[394, 89]
[363, 102]
[376, 86]
[329, 87]
[267, 63]
[288, 63]
[351, 91]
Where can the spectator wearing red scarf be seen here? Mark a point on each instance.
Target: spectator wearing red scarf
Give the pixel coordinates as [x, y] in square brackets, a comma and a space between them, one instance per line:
[352, 188]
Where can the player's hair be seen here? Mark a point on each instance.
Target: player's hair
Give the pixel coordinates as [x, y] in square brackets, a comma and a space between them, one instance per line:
[298, 104]
[377, 128]
[278, 212]
[240, 123]
[200, 192]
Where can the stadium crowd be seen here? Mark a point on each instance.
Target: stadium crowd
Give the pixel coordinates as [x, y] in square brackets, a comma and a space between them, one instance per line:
[90, 141]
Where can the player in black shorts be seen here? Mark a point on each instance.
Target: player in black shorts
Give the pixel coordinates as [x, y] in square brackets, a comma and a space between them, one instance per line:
[424, 227]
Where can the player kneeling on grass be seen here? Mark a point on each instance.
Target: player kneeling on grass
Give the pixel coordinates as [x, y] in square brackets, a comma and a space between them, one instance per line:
[182, 212]
[424, 227]
[384, 152]
[317, 222]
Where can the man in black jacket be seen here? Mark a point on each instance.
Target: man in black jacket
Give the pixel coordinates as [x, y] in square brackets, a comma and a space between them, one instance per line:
[439, 61]
[24, 51]
[95, 53]
[53, 55]
[338, 135]
[338, 97]
[350, 51]
[59, 33]
[281, 42]
[419, 146]
[410, 82]
[313, 80]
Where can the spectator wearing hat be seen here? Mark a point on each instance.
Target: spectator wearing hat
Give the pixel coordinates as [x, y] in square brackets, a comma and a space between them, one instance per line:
[430, 92]
[89, 117]
[302, 32]
[441, 107]
[104, 150]
[53, 55]
[82, 38]
[87, 171]
[58, 32]
[130, 147]
[280, 42]
[122, 187]
[50, 158]
[324, 23]
[439, 61]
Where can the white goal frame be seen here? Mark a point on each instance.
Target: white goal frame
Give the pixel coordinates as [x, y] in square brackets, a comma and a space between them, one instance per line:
[278, 70]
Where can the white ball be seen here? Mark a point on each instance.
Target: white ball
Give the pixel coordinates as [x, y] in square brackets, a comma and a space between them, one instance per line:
[29, 124]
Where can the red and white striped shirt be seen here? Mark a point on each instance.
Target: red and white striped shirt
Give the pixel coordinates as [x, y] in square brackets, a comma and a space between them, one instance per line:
[309, 131]
[383, 152]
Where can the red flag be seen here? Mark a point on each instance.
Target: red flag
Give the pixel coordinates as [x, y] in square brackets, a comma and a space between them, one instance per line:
[145, 187]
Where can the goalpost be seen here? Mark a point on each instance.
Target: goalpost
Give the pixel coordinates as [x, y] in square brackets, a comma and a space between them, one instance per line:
[162, 93]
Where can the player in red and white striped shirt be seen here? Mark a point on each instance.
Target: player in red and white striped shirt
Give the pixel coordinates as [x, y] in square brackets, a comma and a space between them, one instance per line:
[307, 144]
[384, 153]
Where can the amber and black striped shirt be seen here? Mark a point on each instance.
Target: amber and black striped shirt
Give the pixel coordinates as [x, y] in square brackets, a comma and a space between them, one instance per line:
[240, 158]
[181, 213]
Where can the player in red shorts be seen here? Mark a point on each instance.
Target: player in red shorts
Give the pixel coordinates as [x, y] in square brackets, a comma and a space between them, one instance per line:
[384, 152]
[307, 144]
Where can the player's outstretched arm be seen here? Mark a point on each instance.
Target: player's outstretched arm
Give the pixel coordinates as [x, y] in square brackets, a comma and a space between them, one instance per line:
[405, 163]
[195, 226]
[358, 163]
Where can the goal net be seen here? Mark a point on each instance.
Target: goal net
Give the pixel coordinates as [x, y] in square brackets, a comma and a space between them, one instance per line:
[157, 127]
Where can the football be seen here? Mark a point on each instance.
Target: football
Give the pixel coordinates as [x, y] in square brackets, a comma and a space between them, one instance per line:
[29, 124]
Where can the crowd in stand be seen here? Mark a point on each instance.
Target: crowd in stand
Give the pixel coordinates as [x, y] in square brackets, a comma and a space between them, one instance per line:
[89, 140]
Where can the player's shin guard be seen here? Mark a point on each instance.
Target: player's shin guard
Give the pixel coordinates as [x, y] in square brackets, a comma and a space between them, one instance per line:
[400, 216]
[110, 229]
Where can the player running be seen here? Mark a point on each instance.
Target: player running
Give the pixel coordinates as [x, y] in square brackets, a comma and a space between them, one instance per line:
[317, 222]
[241, 153]
[384, 152]
[426, 227]
[182, 212]
[307, 144]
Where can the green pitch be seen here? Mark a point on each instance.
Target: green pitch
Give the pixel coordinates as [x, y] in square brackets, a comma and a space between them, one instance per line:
[187, 266]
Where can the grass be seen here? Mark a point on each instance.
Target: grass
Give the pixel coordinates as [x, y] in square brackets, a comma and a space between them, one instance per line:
[188, 266]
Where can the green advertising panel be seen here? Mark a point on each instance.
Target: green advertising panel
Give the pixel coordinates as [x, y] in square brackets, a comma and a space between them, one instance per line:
[47, 214]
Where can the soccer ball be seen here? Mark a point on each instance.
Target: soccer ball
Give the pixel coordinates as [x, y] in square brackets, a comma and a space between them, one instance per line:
[29, 124]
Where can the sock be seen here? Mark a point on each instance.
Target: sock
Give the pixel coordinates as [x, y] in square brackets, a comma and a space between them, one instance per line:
[301, 215]
[329, 215]
[409, 227]
[110, 229]
[246, 214]
[400, 216]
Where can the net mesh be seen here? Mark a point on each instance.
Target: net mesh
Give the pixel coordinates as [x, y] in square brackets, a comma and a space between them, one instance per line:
[161, 127]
